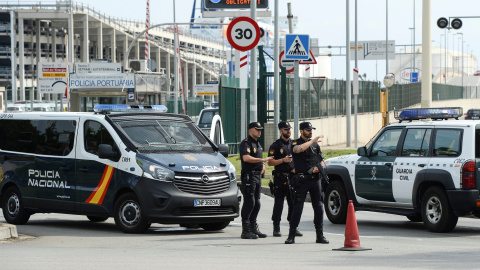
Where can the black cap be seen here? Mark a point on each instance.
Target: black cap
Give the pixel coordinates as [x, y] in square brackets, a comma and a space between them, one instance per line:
[306, 125]
[255, 125]
[284, 125]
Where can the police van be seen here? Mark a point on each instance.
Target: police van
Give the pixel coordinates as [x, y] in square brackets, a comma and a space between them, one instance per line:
[426, 170]
[136, 164]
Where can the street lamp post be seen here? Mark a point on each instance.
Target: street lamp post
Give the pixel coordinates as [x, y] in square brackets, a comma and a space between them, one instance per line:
[412, 65]
[440, 56]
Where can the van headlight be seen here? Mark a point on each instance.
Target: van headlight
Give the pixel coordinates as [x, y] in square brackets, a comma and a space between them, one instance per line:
[231, 172]
[155, 171]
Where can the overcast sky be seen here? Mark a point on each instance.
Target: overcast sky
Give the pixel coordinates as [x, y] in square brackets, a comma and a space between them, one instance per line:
[326, 20]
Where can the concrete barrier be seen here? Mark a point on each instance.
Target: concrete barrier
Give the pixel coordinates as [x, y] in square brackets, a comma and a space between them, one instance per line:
[8, 231]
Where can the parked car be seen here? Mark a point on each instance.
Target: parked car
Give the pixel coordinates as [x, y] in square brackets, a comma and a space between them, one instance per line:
[472, 114]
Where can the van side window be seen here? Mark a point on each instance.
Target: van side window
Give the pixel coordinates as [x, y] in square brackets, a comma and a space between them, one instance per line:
[447, 142]
[42, 137]
[96, 134]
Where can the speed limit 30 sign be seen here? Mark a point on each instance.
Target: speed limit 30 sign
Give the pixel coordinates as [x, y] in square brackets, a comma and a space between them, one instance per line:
[243, 33]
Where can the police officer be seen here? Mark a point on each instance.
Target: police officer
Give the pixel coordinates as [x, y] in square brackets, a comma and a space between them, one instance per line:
[252, 168]
[280, 150]
[306, 157]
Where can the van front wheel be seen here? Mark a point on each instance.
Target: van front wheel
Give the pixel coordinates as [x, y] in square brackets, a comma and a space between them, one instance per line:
[128, 215]
[12, 206]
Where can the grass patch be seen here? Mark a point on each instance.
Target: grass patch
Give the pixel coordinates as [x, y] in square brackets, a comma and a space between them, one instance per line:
[235, 160]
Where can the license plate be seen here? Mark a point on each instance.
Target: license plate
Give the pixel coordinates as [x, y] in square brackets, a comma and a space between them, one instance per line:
[207, 202]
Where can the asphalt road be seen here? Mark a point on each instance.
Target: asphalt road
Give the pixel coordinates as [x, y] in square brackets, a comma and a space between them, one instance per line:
[73, 242]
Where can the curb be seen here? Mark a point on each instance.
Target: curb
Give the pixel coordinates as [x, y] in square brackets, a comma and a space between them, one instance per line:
[8, 231]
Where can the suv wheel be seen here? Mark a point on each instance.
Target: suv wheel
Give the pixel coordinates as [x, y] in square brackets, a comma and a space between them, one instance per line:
[12, 206]
[437, 214]
[128, 215]
[336, 203]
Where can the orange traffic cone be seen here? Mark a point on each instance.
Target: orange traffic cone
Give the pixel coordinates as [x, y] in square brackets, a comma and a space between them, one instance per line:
[352, 238]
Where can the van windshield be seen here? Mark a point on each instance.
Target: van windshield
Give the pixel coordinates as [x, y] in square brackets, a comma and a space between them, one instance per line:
[151, 135]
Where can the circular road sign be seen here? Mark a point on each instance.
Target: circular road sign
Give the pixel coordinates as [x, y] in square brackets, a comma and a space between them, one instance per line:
[288, 64]
[243, 33]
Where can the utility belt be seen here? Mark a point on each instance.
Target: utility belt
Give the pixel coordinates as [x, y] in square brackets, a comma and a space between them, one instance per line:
[252, 172]
[281, 175]
[305, 176]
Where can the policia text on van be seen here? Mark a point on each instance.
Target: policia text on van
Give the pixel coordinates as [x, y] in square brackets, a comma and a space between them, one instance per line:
[139, 167]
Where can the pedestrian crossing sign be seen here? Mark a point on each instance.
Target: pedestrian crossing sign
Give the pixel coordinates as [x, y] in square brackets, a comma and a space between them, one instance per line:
[297, 46]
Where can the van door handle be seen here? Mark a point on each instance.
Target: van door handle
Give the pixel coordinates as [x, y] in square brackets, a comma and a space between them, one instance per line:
[388, 164]
[83, 169]
[64, 168]
[421, 165]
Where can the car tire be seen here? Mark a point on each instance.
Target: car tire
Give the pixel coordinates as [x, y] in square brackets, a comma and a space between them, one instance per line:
[12, 206]
[215, 226]
[96, 218]
[128, 215]
[336, 203]
[437, 213]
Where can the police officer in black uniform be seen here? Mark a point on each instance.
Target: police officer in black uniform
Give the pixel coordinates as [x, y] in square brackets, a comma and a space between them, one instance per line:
[306, 157]
[280, 150]
[252, 168]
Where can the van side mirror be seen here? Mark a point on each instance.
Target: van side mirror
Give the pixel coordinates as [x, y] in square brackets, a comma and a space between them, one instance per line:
[223, 149]
[362, 151]
[106, 151]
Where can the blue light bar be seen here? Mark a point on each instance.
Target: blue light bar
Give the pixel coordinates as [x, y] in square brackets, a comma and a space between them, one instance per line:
[128, 108]
[428, 113]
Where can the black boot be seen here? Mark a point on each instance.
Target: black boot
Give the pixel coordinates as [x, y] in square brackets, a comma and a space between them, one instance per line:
[254, 229]
[320, 238]
[276, 229]
[246, 233]
[298, 233]
[291, 236]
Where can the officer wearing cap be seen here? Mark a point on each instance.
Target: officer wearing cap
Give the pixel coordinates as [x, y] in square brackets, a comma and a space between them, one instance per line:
[280, 150]
[252, 168]
[306, 155]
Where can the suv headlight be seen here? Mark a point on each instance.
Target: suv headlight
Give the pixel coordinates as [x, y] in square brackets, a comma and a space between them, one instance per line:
[155, 171]
[231, 172]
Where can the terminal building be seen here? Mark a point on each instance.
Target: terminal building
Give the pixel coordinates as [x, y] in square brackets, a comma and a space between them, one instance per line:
[56, 32]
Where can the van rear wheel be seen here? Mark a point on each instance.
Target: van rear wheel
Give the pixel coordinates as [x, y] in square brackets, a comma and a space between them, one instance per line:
[12, 206]
[128, 215]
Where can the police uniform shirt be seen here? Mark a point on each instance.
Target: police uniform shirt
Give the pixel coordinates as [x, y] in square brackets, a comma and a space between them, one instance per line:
[304, 161]
[251, 147]
[278, 150]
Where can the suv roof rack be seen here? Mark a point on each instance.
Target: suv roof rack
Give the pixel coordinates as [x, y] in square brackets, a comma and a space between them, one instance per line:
[428, 113]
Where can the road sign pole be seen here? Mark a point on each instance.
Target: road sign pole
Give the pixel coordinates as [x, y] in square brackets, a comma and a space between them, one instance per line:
[296, 98]
[253, 70]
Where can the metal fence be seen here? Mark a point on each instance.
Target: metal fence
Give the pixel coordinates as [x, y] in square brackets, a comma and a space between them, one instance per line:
[326, 98]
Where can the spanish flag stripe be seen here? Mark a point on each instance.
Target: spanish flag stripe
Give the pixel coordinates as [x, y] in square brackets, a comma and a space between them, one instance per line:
[99, 193]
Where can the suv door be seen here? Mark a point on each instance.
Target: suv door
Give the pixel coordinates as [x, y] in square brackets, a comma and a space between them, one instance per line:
[373, 173]
[413, 159]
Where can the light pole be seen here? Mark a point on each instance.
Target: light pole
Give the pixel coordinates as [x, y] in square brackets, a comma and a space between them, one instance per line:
[462, 57]
[412, 65]
[414, 36]
[440, 56]
[468, 61]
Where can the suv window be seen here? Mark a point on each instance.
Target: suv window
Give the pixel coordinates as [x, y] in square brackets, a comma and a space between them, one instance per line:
[96, 134]
[447, 142]
[417, 142]
[386, 144]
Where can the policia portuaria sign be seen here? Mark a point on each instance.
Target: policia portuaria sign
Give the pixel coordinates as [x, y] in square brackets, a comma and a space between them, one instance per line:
[233, 4]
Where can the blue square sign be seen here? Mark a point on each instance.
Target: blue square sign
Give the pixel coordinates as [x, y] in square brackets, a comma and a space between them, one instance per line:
[414, 77]
[297, 46]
